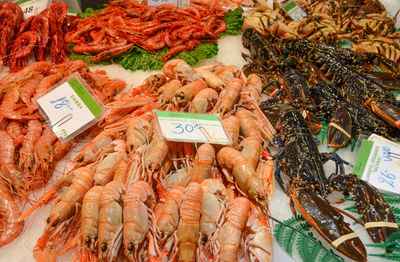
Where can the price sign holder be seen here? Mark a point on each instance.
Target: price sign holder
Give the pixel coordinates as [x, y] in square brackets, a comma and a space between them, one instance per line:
[70, 107]
[193, 128]
[379, 164]
[32, 7]
[294, 11]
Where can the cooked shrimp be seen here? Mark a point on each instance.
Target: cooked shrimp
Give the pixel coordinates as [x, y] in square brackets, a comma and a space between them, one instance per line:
[61, 148]
[90, 218]
[248, 126]
[214, 199]
[65, 206]
[251, 149]
[265, 172]
[212, 79]
[138, 133]
[258, 239]
[189, 223]
[244, 174]
[26, 153]
[110, 218]
[135, 168]
[8, 170]
[229, 73]
[180, 70]
[179, 177]
[203, 163]
[155, 154]
[230, 96]
[231, 231]
[187, 92]
[168, 212]
[43, 156]
[251, 93]
[47, 82]
[138, 203]
[232, 127]
[106, 169]
[11, 226]
[167, 91]
[14, 130]
[204, 101]
[93, 148]
[120, 172]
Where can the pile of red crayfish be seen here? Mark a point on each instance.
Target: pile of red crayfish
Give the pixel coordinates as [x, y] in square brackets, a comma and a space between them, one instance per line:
[124, 24]
[37, 34]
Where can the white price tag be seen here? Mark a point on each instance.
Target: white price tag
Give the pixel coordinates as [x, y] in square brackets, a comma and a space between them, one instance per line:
[69, 108]
[294, 11]
[177, 3]
[379, 164]
[32, 7]
[193, 128]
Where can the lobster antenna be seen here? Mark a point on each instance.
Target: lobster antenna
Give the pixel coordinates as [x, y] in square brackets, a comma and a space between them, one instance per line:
[348, 215]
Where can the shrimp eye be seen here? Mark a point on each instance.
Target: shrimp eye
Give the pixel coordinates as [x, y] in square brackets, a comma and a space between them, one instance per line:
[55, 223]
[21, 187]
[204, 239]
[104, 247]
[131, 246]
[260, 197]
[48, 220]
[88, 240]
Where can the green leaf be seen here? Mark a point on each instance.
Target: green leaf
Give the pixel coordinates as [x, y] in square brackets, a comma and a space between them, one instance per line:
[234, 21]
[391, 199]
[294, 231]
[89, 12]
[310, 251]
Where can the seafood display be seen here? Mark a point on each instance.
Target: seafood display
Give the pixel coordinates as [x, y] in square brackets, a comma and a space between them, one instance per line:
[364, 24]
[40, 35]
[124, 24]
[122, 191]
[30, 149]
[142, 197]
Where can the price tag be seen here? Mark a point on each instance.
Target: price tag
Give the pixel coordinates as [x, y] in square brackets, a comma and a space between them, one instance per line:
[194, 128]
[379, 164]
[70, 107]
[177, 3]
[32, 7]
[294, 11]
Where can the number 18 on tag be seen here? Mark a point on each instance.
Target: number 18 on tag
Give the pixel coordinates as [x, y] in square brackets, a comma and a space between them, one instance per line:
[70, 108]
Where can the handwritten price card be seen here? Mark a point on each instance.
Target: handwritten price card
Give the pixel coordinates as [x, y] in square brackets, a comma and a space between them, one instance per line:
[70, 108]
[194, 128]
[379, 164]
[32, 7]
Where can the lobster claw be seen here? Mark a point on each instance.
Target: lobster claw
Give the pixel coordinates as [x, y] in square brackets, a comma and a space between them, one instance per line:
[328, 222]
[339, 129]
[390, 113]
[379, 220]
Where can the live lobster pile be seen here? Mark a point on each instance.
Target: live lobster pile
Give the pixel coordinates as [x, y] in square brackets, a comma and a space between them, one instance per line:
[29, 148]
[41, 35]
[134, 195]
[124, 24]
[363, 23]
[353, 103]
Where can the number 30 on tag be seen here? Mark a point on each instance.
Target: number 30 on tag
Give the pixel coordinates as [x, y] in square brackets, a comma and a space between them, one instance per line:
[194, 128]
[70, 107]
